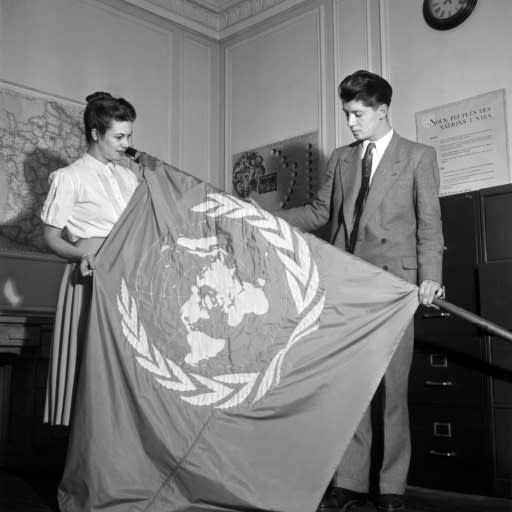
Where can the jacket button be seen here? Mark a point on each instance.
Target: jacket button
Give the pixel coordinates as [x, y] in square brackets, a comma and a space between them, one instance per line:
[383, 240]
[385, 267]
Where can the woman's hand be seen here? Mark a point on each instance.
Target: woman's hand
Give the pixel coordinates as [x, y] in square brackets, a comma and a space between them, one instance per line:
[87, 264]
[88, 247]
[83, 251]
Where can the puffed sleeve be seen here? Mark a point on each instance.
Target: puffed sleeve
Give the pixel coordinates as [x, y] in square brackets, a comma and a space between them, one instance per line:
[60, 200]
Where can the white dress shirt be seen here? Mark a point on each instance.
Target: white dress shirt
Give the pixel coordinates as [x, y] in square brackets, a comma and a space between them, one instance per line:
[380, 146]
[88, 197]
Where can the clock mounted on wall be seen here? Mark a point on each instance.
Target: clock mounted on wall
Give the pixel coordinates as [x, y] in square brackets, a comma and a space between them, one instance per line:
[446, 14]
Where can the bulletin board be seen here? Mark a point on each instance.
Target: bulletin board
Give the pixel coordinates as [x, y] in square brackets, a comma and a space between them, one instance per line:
[281, 174]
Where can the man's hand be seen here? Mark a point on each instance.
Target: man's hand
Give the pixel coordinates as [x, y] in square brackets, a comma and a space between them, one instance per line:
[428, 291]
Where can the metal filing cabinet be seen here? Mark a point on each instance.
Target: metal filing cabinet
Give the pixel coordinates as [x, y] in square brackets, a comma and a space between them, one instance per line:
[495, 288]
[449, 397]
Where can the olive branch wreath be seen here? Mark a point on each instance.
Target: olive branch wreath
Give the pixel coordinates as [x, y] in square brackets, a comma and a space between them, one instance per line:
[229, 390]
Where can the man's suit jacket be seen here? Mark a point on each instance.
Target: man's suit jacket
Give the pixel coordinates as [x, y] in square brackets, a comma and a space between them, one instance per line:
[400, 228]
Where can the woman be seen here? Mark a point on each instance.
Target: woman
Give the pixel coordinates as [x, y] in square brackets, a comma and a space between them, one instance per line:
[84, 202]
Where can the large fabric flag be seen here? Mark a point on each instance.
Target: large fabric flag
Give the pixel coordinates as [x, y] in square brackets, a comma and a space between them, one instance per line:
[229, 357]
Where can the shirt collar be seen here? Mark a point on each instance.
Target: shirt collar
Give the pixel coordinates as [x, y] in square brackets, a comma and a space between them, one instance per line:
[380, 144]
[97, 165]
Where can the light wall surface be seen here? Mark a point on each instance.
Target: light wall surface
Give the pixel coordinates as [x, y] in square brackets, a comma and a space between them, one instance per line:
[428, 67]
[278, 81]
[267, 98]
[71, 48]
[200, 101]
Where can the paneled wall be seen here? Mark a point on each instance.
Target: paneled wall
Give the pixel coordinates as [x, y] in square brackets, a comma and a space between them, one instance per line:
[70, 48]
[429, 67]
[200, 101]
[73, 47]
[278, 81]
[357, 45]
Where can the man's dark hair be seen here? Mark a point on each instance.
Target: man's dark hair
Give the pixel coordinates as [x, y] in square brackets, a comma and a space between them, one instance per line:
[102, 108]
[370, 89]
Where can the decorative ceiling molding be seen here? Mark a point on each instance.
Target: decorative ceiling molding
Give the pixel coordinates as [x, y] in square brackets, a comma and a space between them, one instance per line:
[215, 18]
[217, 6]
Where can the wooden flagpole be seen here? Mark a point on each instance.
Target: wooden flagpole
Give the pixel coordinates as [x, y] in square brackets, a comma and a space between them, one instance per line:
[494, 329]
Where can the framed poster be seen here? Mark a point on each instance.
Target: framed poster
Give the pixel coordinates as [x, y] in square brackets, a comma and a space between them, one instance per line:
[282, 174]
[39, 133]
[470, 137]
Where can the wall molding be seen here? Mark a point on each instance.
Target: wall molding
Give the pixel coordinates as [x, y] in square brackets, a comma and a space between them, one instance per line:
[323, 81]
[209, 104]
[364, 12]
[217, 20]
[338, 113]
[318, 12]
[183, 13]
[227, 116]
[255, 11]
[113, 8]
[384, 38]
[385, 56]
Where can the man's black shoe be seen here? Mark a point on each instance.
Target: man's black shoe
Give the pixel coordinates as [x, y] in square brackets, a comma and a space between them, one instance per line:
[391, 503]
[347, 499]
[328, 503]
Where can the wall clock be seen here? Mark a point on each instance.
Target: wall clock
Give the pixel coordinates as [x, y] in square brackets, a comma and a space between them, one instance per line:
[446, 14]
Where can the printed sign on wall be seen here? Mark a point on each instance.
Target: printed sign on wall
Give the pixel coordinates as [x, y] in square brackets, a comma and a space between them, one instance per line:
[470, 137]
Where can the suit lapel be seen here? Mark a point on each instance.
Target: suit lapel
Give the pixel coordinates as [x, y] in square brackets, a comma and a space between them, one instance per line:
[350, 180]
[386, 173]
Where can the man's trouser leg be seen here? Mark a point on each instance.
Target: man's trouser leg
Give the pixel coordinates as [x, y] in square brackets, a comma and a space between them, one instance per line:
[354, 469]
[397, 438]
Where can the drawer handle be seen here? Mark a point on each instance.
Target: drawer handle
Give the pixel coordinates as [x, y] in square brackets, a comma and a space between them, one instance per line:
[440, 314]
[438, 361]
[439, 384]
[437, 453]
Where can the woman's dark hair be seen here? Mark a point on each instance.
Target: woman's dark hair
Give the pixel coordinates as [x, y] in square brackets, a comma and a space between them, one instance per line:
[371, 89]
[102, 108]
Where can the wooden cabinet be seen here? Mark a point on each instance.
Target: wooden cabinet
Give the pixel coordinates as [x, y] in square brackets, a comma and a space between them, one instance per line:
[461, 378]
[26, 443]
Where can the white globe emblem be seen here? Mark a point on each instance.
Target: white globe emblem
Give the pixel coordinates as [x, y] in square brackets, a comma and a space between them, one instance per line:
[214, 311]
[217, 291]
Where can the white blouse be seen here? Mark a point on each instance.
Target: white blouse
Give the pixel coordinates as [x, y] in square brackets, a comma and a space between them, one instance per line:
[88, 197]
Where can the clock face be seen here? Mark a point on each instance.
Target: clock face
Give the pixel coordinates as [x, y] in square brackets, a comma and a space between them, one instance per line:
[443, 9]
[445, 14]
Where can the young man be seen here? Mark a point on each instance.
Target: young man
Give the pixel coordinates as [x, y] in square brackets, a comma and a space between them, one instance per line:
[380, 195]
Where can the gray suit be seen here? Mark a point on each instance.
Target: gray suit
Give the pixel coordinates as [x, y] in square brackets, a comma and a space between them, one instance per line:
[400, 231]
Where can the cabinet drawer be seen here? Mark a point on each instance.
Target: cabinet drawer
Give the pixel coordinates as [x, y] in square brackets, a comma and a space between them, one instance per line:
[495, 282]
[448, 371]
[501, 358]
[450, 449]
[461, 289]
[19, 335]
[496, 204]
[502, 429]
[460, 217]
[46, 341]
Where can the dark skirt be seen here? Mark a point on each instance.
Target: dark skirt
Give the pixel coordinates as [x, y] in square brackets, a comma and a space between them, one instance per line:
[69, 333]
